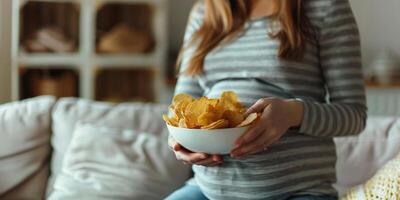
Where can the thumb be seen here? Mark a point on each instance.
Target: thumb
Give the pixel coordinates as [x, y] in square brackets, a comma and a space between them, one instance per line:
[257, 107]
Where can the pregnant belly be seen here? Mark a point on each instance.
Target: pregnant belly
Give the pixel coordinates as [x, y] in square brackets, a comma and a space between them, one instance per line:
[294, 163]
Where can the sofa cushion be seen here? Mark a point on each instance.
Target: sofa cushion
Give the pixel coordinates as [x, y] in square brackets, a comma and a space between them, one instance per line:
[111, 163]
[360, 157]
[25, 148]
[134, 116]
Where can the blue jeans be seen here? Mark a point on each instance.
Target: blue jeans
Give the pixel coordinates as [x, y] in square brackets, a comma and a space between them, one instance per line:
[191, 192]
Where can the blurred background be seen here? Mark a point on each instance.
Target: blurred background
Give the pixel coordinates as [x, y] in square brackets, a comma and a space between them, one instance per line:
[124, 50]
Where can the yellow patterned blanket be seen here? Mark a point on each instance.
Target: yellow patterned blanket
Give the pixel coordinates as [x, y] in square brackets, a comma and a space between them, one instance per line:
[385, 185]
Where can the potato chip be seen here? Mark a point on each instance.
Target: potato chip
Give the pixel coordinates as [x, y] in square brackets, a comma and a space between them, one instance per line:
[171, 121]
[182, 123]
[222, 123]
[180, 107]
[249, 119]
[205, 113]
[181, 98]
[212, 102]
[173, 111]
[195, 109]
[189, 123]
[234, 117]
[211, 115]
[179, 104]
[230, 101]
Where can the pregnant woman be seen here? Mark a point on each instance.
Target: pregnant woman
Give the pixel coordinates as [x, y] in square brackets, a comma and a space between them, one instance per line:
[295, 61]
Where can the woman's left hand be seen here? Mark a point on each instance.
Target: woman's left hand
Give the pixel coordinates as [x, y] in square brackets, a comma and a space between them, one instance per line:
[277, 117]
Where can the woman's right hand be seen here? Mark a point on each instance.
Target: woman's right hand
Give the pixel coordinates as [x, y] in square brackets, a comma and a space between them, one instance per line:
[189, 157]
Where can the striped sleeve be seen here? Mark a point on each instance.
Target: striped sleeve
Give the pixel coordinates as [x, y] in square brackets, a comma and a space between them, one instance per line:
[340, 61]
[190, 84]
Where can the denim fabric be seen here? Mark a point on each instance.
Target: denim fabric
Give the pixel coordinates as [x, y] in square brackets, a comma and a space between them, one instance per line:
[187, 192]
[193, 192]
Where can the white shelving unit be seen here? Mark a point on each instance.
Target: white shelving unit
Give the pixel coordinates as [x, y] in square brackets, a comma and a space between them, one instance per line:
[86, 60]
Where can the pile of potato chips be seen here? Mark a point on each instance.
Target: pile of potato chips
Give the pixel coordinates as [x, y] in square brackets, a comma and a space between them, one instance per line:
[205, 113]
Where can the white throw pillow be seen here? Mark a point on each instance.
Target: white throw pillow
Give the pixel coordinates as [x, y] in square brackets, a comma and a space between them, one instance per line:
[25, 148]
[69, 111]
[360, 157]
[111, 163]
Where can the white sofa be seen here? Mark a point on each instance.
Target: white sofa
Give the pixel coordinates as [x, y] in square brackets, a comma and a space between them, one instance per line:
[35, 135]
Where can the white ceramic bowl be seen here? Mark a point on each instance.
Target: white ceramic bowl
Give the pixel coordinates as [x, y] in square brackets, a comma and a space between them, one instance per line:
[215, 141]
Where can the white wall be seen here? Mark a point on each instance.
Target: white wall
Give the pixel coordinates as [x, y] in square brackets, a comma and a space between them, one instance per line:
[178, 14]
[5, 53]
[379, 23]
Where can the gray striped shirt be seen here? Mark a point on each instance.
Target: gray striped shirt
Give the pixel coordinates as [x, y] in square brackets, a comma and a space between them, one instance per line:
[328, 80]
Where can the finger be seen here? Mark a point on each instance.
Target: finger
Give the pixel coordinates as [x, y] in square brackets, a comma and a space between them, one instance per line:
[251, 134]
[177, 147]
[206, 162]
[217, 158]
[271, 137]
[268, 137]
[188, 156]
[258, 106]
[275, 136]
[212, 160]
[174, 145]
[258, 128]
[255, 130]
[249, 147]
[257, 151]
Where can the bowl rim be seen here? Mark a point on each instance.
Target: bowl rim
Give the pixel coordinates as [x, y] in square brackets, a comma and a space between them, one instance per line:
[206, 129]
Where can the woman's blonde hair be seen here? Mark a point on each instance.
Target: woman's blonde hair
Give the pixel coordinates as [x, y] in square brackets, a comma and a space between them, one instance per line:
[224, 19]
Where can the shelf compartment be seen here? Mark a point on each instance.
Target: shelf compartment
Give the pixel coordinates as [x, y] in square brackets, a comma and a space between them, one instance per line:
[124, 28]
[122, 84]
[47, 26]
[56, 81]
